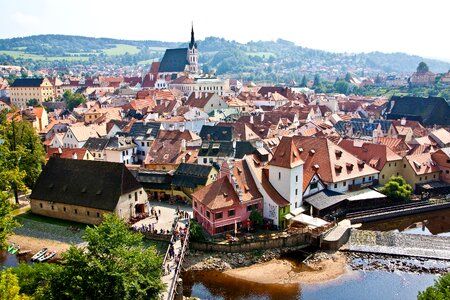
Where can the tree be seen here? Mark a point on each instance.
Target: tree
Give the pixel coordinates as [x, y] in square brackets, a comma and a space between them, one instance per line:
[342, 87]
[22, 156]
[316, 80]
[9, 286]
[196, 232]
[348, 77]
[73, 99]
[422, 67]
[7, 223]
[256, 217]
[397, 189]
[33, 102]
[114, 265]
[439, 291]
[304, 81]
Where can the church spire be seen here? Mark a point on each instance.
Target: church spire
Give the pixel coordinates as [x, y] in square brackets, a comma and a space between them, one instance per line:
[192, 44]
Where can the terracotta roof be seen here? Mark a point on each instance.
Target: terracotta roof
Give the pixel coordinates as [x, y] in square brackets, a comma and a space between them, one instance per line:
[441, 135]
[286, 155]
[199, 100]
[395, 144]
[422, 163]
[271, 191]
[177, 135]
[376, 155]
[219, 194]
[66, 152]
[245, 181]
[332, 163]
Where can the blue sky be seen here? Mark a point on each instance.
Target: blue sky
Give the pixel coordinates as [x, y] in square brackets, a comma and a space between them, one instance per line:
[414, 27]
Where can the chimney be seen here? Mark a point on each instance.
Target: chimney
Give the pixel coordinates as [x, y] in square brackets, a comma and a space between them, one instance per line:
[251, 119]
[262, 117]
[183, 145]
[182, 128]
[74, 155]
[403, 121]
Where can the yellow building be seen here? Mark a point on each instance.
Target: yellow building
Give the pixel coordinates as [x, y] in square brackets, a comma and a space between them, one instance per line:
[419, 168]
[25, 89]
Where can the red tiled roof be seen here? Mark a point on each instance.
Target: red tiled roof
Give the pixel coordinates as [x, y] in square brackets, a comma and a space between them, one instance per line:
[286, 155]
[66, 152]
[218, 194]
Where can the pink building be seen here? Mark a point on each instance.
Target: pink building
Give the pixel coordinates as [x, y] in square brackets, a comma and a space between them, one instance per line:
[227, 201]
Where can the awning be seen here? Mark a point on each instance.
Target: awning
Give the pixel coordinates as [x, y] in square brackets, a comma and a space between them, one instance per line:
[309, 221]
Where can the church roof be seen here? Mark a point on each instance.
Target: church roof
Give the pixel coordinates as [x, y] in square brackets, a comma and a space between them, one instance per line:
[174, 60]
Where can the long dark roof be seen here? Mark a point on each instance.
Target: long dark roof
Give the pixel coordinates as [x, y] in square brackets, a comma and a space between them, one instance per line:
[216, 133]
[191, 175]
[27, 82]
[325, 199]
[155, 180]
[87, 183]
[145, 130]
[428, 111]
[174, 60]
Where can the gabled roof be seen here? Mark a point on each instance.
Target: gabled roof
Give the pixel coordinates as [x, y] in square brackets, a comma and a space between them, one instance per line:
[86, 183]
[27, 82]
[83, 133]
[199, 100]
[216, 133]
[66, 153]
[219, 194]
[174, 60]
[286, 155]
[422, 163]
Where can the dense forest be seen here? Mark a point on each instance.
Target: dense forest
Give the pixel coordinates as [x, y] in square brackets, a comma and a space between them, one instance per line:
[256, 60]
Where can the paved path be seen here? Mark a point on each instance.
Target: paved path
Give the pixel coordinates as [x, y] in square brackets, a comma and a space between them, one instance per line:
[165, 219]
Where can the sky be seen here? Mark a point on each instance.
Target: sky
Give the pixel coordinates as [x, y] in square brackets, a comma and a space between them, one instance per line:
[413, 27]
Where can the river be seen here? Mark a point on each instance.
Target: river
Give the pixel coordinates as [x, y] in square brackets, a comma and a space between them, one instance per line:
[353, 285]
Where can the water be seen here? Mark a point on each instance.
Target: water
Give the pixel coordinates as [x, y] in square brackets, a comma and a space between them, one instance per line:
[7, 260]
[354, 285]
[433, 223]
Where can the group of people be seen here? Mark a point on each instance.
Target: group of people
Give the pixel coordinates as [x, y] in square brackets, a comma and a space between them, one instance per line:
[155, 213]
[150, 228]
[181, 214]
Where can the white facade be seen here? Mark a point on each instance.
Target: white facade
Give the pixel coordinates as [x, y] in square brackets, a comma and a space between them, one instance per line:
[125, 208]
[288, 183]
[314, 186]
[343, 186]
[70, 141]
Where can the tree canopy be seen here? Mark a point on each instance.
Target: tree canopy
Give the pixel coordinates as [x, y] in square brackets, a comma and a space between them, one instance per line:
[439, 291]
[9, 287]
[422, 67]
[397, 189]
[114, 265]
[7, 223]
[73, 99]
[22, 156]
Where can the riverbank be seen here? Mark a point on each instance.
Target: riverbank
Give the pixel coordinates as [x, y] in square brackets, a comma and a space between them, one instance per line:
[323, 267]
[36, 244]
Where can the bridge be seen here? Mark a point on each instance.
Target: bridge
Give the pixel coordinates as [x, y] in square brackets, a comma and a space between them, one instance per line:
[397, 211]
[398, 244]
[172, 267]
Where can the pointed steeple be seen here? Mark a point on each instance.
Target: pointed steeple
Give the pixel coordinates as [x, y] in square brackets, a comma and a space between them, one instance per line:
[192, 44]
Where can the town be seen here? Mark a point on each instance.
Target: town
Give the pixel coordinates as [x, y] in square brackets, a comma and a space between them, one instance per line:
[204, 163]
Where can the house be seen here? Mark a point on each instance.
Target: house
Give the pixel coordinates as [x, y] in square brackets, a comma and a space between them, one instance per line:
[442, 137]
[216, 152]
[37, 116]
[189, 178]
[143, 134]
[77, 135]
[167, 154]
[26, 89]
[113, 149]
[442, 159]
[366, 129]
[419, 169]
[428, 111]
[378, 156]
[84, 190]
[226, 204]
[205, 101]
[216, 133]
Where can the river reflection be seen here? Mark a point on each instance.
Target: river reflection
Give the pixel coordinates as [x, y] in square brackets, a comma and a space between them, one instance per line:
[7, 260]
[433, 223]
[354, 285]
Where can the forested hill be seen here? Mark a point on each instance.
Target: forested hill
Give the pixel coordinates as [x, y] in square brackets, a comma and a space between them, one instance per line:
[262, 59]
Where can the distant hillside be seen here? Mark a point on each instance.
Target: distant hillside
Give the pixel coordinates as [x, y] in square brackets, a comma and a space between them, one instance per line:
[269, 60]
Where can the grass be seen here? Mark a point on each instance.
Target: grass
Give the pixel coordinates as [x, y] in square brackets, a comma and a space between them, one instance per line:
[121, 49]
[38, 218]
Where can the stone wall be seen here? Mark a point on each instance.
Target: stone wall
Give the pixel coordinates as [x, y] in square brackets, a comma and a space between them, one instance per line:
[247, 246]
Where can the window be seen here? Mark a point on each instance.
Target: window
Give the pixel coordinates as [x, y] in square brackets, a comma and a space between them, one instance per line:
[295, 204]
[296, 178]
[64, 208]
[40, 205]
[447, 171]
[252, 207]
[395, 164]
[434, 176]
[205, 160]
[296, 192]
[143, 144]
[279, 175]
[195, 203]
[426, 177]
[53, 207]
[219, 215]
[404, 166]
[335, 185]
[76, 211]
[208, 215]
[389, 164]
[140, 192]
[87, 213]
[314, 185]
[98, 215]
[420, 178]
[382, 176]
[231, 213]
[344, 183]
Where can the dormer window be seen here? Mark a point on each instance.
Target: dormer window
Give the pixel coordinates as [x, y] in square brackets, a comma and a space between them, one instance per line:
[338, 168]
[312, 152]
[349, 166]
[338, 153]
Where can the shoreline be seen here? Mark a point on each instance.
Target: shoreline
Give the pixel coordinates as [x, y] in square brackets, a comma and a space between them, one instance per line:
[282, 271]
[35, 244]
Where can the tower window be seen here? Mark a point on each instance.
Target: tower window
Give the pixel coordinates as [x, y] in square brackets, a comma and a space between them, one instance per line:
[279, 175]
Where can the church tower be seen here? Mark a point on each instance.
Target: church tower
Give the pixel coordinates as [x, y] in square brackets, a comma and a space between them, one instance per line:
[193, 53]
